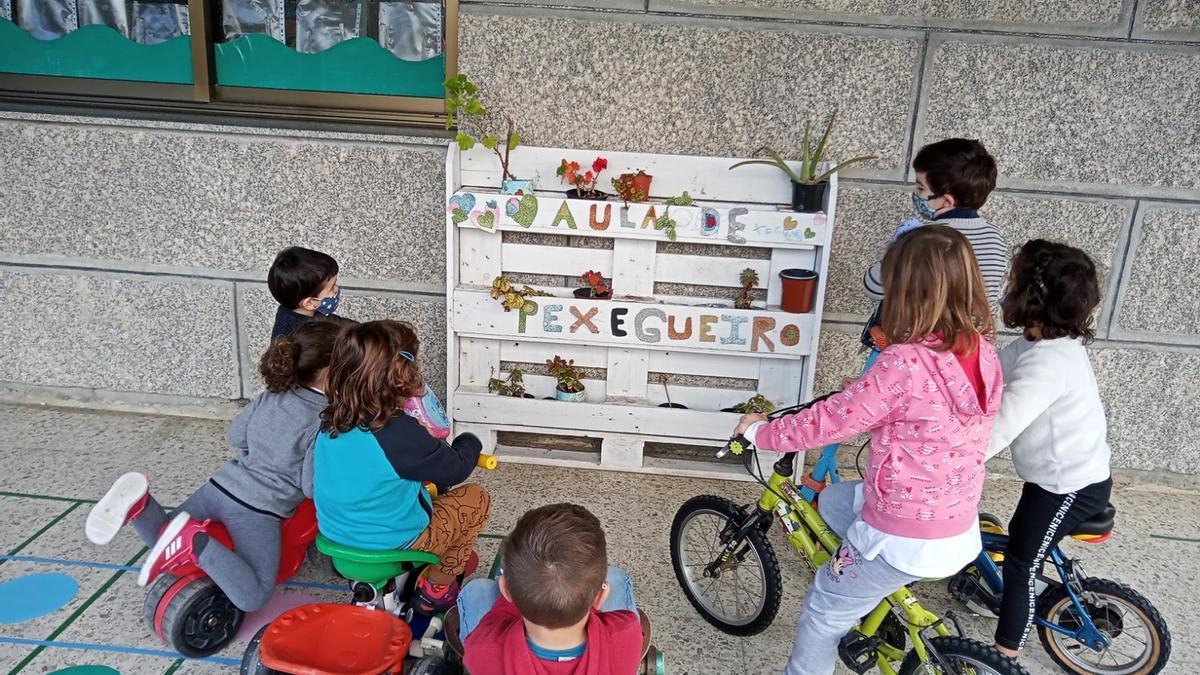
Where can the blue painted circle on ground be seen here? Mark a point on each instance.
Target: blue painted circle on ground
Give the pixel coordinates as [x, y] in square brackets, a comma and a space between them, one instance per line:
[87, 670]
[34, 595]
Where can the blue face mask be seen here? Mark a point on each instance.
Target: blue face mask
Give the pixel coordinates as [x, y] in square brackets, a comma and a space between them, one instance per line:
[329, 305]
[923, 208]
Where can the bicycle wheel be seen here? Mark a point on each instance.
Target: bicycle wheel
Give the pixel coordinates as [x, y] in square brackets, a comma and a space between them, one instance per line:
[740, 597]
[966, 657]
[1139, 642]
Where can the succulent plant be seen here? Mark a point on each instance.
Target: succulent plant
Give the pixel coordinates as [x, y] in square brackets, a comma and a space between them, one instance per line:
[810, 160]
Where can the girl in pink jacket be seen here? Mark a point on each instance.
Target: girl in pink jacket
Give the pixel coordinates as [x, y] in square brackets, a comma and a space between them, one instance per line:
[928, 403]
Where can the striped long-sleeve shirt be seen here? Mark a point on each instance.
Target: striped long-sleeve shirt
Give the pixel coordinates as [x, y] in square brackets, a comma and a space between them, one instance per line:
[990, 250]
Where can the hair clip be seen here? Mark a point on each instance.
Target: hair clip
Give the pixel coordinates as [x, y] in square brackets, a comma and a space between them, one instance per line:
[410, 357]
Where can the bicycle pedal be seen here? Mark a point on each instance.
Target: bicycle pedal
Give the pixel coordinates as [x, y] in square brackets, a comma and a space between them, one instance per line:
[857, 651]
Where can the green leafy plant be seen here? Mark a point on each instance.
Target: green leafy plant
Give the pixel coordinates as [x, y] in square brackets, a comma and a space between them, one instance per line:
[513, 385]
[464, 110]
[749, 279]
[570, 379]
[810, 160]
[755, 404]
[665, 222]
[510, 296]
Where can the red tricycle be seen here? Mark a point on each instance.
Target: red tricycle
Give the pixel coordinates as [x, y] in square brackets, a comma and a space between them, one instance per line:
[187, 610]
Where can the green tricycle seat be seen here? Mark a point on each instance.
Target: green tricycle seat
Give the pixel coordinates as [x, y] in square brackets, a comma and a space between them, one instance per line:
[372, 567]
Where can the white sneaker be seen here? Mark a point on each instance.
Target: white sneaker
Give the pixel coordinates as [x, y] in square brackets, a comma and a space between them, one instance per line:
[112, 511]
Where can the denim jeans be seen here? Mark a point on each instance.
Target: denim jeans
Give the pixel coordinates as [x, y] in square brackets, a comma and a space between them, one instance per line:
[478, 596]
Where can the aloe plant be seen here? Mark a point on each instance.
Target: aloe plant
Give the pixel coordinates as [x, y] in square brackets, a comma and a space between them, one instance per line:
[810, 159]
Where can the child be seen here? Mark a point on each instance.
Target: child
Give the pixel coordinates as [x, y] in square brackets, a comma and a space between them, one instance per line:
[250, 494]
[1051, 417]
[928, 402]
[372, 461]
[304, 283]
[953, 180]
[558, 607]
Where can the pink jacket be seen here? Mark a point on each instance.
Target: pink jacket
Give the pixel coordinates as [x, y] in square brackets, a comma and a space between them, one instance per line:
[929, 436]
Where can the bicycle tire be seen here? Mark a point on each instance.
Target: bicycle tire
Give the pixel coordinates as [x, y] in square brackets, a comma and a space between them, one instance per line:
[969, 653]
[772, 582]
[1051, 601]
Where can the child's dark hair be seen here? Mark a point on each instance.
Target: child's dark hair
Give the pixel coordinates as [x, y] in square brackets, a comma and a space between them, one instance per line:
[555, 562]
[295, 360]
[1053, 287]
[958, 167]
[299, 273]
[372, 372]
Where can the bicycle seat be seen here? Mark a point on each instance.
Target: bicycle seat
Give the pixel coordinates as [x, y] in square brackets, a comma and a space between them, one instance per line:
[1098, 527]
[372, 567]
[327, 638]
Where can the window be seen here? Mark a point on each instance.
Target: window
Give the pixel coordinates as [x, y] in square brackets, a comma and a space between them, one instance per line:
[377, 60]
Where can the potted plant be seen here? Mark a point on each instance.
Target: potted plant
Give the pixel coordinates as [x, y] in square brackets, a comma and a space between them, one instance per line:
[570, 380]
[585, 183]
[510, 296]
[662, 379]
[595, 287]
[808, 186]
[665, 222]
[749, 279]
[513, 385]
[464, 109]
[633, 187]
[755, 404]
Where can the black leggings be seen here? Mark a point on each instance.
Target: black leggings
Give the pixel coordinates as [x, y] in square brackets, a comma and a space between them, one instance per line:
[1041, 520]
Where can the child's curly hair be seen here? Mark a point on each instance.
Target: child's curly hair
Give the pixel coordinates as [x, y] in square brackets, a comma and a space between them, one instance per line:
[1053, 287]
[372, 373]
[296, 360]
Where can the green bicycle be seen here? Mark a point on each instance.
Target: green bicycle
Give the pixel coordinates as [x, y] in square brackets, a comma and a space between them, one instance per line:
[729, 572]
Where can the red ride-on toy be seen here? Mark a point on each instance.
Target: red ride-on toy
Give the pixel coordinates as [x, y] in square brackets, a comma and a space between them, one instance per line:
[193, 616]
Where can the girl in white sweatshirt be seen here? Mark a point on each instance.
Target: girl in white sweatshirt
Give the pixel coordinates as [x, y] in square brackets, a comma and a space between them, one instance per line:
[1050, 416]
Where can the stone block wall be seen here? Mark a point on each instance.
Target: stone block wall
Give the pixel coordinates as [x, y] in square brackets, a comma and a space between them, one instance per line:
[133, 254]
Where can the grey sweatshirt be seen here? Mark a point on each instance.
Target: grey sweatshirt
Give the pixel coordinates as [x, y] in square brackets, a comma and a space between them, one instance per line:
[275, 433]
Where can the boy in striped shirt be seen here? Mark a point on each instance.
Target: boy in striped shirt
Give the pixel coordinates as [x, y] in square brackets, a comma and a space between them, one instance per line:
[953, 180]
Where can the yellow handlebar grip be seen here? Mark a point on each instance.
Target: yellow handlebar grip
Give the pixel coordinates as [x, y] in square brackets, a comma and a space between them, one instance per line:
[486, 462]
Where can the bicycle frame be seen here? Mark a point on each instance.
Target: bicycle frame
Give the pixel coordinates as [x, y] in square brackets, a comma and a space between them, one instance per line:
[1087, 633]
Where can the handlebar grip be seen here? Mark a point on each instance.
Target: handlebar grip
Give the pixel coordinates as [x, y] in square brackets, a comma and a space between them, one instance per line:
[486, 462]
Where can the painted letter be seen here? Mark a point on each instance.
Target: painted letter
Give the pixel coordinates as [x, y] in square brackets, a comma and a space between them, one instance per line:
[735, 226]
[549, 316]
[651, 217]
[709, 221]
[790, 335]
[618, 319]
[735, 322]
[584, 319]
[522, 314]
[676, 334]
[706, 322]
[564, 216]
[648, 335]
[625, 221]
[762, 324]
[600, 225]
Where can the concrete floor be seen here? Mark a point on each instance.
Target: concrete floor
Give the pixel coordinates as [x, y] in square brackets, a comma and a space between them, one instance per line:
[54, 461]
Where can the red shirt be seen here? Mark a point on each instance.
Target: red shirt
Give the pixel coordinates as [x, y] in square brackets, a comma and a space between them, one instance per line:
[497, 646]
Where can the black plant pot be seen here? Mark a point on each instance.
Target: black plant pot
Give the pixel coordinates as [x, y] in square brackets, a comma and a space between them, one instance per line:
[586, 294]
[808, 198]
[673, 405]
[596, 195]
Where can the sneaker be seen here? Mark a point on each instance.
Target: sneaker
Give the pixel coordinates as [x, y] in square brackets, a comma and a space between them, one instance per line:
[174, 548]
[122, 503]
[432, 598]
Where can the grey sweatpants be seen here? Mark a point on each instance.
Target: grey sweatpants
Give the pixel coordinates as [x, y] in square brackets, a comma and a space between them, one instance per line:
[248, 575]
[845, 590]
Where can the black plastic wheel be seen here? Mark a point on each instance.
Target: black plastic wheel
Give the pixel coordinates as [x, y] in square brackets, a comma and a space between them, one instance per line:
[430, 665]
[200, 619]
[251, 663]
[654, 663]
[701, 529]
[154, 595]
[964, 656]
[1139, 642]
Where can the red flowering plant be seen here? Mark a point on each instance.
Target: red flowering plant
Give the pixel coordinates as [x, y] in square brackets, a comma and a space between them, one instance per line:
[584, 183]
[595, 284]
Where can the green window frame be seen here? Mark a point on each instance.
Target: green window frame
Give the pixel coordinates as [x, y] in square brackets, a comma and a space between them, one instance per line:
[252, 75]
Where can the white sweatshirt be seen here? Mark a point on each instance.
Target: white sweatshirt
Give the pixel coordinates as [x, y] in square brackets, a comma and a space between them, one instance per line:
[1051, 415]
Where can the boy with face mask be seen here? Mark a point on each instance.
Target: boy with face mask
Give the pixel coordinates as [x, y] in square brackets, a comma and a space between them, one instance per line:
[305, 283]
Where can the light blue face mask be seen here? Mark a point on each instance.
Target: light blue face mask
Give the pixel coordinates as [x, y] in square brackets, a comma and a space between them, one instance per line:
[923, 208]
[329, 305]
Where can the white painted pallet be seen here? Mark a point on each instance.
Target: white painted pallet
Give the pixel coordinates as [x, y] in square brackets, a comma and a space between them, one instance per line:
[638, 333]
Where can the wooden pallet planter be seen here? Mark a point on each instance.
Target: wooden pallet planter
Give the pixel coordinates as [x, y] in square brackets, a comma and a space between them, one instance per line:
[639, 332]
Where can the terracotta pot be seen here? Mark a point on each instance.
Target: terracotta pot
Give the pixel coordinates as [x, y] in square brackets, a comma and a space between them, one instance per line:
[808, 198]
[799, 290]
[586, 294]
[594, 196]
[633, 182]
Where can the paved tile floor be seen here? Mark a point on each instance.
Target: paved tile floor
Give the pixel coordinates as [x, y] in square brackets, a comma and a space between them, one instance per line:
[54, 461]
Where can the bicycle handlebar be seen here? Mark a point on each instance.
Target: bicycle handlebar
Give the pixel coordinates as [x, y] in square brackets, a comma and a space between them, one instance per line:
[488, 462]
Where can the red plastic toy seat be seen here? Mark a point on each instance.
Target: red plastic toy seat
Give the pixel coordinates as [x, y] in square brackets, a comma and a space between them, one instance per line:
[298, 532]
[329, 639]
